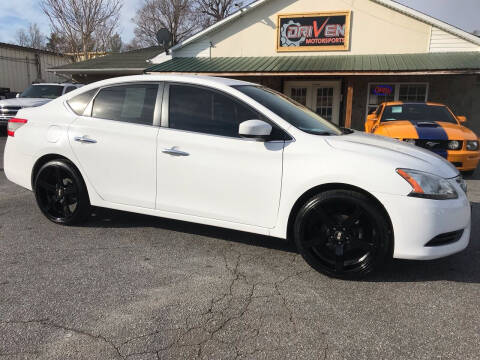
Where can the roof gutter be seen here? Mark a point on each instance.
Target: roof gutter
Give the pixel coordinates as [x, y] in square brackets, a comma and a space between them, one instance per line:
[324, 73]
[93, 71]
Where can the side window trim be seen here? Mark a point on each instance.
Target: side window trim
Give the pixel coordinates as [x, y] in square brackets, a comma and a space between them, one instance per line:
[165, 111]
[88, 110]
[165, 107]
[157, 112]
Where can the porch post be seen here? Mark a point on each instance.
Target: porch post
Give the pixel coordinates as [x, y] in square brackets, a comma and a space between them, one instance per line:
[348, 108]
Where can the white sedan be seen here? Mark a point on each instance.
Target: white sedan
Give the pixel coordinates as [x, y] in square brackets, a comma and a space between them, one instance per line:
[234, 154]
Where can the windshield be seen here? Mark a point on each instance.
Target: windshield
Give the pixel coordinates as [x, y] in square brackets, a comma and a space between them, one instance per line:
[289, 110]
[42, 91]
[418, 113]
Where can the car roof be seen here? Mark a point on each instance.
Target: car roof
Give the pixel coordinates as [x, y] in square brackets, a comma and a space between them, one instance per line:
[389, 103]
[192, 79]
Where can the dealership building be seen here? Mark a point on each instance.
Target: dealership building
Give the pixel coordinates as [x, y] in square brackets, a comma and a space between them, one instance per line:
[339, 58]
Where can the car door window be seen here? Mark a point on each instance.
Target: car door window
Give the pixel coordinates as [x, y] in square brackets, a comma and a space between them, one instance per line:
[69, 88]
[206, 111]
[133, 103]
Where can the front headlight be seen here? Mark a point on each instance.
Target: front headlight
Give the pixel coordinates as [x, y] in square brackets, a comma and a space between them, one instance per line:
[454, 145]
[427, 185]
[472, 145]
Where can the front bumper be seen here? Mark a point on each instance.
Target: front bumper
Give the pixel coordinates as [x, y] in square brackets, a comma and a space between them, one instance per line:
[417, 221]
[464, 160]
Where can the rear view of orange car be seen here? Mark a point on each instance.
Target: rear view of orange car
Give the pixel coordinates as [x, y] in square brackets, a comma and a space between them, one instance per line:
[428, 125]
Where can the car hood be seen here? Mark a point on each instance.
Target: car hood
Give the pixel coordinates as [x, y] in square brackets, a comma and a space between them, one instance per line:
[24, 102]
[403, 129]
[396, 153]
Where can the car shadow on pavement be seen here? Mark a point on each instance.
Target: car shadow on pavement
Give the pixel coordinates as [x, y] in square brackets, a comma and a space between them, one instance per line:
[462, 267]
[108, 218]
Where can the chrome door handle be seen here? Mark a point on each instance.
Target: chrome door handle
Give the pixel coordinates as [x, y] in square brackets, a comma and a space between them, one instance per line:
[173, 151]
[85, 139]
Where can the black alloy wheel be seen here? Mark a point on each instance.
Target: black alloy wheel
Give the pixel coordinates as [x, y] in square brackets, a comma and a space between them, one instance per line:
[342, 234]
[61, 193]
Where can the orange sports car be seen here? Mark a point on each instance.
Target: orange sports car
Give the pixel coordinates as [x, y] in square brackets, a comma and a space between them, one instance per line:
[431, 126]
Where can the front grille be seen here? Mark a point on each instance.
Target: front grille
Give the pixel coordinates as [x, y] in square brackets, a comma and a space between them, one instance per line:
[434, 144]
[7, 112]
[445, 239]
[457, 164]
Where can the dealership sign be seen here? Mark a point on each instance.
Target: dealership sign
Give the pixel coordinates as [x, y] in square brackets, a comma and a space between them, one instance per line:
[313, 32]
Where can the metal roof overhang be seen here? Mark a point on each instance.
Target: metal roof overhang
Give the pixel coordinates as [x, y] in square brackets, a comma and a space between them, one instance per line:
[385, 64]
[99, 71]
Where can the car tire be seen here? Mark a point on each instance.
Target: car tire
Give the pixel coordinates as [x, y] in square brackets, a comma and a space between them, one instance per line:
[61, 193]
[343, 234]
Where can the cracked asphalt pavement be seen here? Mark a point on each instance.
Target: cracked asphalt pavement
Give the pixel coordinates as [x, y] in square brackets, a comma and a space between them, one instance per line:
[129, 286]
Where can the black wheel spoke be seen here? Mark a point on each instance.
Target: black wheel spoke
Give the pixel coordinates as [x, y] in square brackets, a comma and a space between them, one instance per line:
[50, 202]
[66, 209]
[325, 218]
[58, 175]
[69, 190]
[46, 186]
[339, 257]
[313, 240]
[353, 218]
[365, 245]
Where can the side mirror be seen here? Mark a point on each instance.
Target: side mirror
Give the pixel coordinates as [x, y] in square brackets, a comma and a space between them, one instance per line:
[461, 119]
[371, 119]
[18, 95]
[255, 129]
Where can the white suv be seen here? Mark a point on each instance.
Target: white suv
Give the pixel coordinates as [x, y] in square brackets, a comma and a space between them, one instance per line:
[34, 95]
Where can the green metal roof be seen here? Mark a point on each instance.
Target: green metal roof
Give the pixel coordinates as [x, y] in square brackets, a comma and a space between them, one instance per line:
[324, 63]
[129, 60]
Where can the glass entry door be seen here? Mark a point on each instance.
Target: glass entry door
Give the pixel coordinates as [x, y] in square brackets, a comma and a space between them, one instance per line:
[323, 97]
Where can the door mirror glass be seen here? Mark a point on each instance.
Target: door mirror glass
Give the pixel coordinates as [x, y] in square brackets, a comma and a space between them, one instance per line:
[461, 118]
[255, 129]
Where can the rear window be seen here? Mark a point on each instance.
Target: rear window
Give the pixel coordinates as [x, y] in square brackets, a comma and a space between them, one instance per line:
[43, 91]
[79, 103]
[417, 113]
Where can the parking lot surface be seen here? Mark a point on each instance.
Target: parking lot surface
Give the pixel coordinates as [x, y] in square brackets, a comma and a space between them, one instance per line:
[127, 286]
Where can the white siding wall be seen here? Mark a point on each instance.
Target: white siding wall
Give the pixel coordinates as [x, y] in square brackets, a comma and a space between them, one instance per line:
[195, 49]
[18, 68]
[441, 41]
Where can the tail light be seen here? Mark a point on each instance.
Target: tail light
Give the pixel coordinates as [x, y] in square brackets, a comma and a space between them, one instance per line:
[14, 124]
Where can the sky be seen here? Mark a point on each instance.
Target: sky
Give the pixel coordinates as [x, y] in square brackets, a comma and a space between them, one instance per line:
[17, 14]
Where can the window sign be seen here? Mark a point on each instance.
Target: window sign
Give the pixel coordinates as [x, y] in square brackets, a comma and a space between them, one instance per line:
[313, 32]
[407, 92]
[384, 90]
